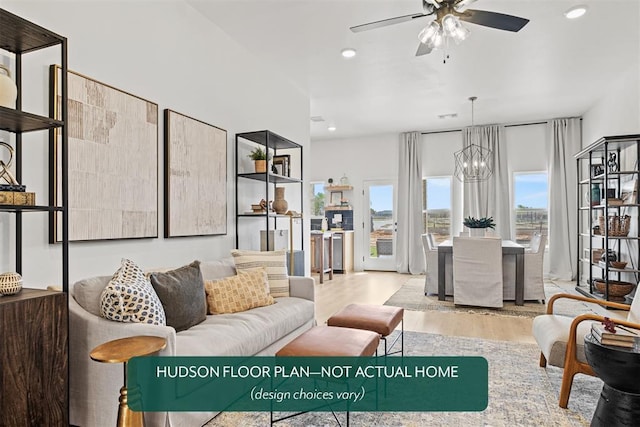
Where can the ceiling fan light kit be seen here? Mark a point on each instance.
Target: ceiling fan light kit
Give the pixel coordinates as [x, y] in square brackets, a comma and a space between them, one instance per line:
[446, 25]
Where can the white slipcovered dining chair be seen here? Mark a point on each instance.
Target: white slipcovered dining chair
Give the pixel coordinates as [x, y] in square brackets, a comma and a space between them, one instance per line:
[431, 261]
[477, 272]
[533, 271]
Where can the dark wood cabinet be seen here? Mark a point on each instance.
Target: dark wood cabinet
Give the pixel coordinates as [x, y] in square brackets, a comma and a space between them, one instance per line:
[33, 359]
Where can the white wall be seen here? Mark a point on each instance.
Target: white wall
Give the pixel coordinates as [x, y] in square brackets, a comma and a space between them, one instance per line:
[361, 159]
[168, 53]
[616, 113]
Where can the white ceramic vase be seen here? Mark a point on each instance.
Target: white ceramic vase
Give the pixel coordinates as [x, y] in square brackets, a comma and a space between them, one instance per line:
[8, 88]
[477, 232]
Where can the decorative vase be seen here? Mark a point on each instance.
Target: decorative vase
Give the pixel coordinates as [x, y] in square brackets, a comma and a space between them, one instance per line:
[10, 283]
[260, 166]
[477, 232]
[595, 195]
[8, 88]
[280, 205]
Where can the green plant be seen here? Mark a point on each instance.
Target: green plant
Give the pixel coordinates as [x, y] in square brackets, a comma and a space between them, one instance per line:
[259, 154]
[485, 222]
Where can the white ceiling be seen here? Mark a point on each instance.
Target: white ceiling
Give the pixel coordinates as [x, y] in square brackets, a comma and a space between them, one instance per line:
[553, 67]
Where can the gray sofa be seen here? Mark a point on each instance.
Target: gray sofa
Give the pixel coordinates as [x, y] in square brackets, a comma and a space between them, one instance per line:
[95, 387]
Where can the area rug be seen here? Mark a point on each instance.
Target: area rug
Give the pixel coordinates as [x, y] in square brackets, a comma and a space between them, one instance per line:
[411, 297]
[520, 392]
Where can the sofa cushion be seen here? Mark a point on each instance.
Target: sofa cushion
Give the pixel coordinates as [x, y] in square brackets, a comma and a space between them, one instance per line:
[247, 290]
[87, 293]
[245, 333]
[274, 261]
[181, 292]
[129, 297]
[212, 270]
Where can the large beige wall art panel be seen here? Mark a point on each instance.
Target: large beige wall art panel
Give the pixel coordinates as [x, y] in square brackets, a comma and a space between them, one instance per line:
[113, 162]
[195, 177]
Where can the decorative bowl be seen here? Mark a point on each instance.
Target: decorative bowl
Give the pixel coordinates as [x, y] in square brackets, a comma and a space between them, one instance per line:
[618, 264]
[10, 283]
[617, 289]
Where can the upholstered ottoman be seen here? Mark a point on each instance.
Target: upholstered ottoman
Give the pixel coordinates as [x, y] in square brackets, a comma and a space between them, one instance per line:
[382, 319]
[332, 341]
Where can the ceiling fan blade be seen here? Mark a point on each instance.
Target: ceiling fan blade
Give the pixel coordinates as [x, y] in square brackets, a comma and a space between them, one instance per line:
[493, 20]
[423, 49]
[386, 22]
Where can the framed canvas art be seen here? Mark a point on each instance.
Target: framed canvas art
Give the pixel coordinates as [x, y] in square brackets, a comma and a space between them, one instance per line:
[195, 199]
[113, 161]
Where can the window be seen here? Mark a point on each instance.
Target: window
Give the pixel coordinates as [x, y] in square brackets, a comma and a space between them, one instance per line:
[317, 198]
[531, 195]
[436, 202]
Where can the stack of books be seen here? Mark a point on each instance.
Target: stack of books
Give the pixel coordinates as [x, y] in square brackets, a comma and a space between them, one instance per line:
[623, 336]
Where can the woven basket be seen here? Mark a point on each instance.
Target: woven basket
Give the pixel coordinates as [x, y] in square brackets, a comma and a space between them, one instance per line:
[10, 283]
[617, 289]
[617, 225]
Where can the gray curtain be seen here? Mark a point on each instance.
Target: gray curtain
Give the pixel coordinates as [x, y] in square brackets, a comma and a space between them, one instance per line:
[409, 255]
[563, 141]
[490, 197]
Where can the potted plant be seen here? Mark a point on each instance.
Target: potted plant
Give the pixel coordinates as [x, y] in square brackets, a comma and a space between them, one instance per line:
[478, 226]
[259, 157]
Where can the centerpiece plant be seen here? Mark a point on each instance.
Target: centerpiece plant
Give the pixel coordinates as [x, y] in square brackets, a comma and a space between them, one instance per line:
[478, 226]
[483, 222]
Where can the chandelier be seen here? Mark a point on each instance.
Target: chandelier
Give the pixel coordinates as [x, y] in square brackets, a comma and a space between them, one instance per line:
[474, 163]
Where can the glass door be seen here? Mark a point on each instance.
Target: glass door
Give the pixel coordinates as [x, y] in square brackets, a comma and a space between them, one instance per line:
[379, 225]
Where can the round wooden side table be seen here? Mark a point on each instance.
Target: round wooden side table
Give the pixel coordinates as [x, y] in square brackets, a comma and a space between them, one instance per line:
[619, 369]
[120, 351]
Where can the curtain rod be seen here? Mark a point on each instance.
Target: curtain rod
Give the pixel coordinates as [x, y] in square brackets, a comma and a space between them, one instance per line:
[543, 122]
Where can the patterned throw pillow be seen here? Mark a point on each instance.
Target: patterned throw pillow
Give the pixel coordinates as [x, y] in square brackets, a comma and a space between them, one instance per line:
[238, 293]
[274, 261]
[129, 297]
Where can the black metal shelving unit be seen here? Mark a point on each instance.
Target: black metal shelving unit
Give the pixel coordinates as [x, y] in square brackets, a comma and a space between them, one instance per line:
[272, 143]
[20, 37]
[623, 146]
[48, 368]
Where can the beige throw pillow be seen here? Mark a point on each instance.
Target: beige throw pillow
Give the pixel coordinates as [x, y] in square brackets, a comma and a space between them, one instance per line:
[242, 292]
[274, 261]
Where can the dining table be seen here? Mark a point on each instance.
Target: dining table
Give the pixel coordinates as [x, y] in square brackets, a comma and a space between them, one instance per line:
[509, 247]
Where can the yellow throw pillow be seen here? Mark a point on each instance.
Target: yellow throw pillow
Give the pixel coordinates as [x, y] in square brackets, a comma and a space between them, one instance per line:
[238, 293]
[274, 261]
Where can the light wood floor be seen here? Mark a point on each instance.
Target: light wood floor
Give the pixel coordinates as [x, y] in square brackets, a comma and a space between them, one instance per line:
[376, 288]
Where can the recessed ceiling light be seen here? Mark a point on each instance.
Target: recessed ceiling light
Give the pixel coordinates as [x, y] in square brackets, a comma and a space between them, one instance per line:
[331, 128]
[348, 52]
[575, 12]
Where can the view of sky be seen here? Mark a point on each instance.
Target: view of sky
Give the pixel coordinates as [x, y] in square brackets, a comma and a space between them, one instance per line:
[531, 190]
[381, 197]
[439, 193]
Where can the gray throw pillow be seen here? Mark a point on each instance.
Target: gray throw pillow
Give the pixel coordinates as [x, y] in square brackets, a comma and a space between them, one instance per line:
[182, 295]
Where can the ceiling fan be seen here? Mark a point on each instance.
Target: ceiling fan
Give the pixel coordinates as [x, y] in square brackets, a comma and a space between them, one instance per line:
[446, 25]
